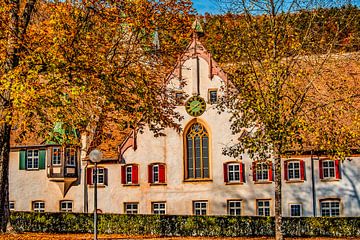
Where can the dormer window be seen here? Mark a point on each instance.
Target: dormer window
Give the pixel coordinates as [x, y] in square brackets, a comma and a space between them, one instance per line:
[213, 96]
[70, 157]
[56, 156]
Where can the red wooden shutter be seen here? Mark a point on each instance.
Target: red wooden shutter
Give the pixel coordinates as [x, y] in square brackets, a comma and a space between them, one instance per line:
[270, 171]
[162, 173]
[254, 171]
[135, 174]
[89, 176]
[321, 169]
[302, 169]
[105, 176]
[241, 172]
[286, 171]
[123, 175]
[225, 172]
[150, 173]
[337, 169]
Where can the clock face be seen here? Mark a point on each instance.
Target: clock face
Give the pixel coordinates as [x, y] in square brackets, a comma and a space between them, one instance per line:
[195, 106]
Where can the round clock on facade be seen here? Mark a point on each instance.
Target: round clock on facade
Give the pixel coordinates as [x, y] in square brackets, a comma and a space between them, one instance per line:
[195, 106]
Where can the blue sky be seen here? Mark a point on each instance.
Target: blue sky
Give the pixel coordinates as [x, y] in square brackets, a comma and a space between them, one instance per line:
[203, 6]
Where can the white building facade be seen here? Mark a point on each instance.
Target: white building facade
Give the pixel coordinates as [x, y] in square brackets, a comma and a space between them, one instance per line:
[183, 173]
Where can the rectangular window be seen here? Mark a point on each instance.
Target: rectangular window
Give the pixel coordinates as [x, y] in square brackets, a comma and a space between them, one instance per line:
[263, 207]
[158, 208]
[100, 175]
[56, 156]
[155, 173]
[328, 168]
[32, 159]
[234, 172]
[38, 206]
[294, 170]
[131, 208]
[179, 98]
[330, 208]
[66, 206]
[262, 172]
[70, 157]
[234, 207]
[200, 207]
[128, 174]
[12, 205]
[295, 210]
[212, 96]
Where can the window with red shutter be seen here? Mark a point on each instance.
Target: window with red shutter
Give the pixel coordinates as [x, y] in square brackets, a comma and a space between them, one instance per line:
[242, 172]
[105, 176]
[302, 170]
[162, 173]
[89, 176]
[270, 171]
[135, 174]
[254, 171]
[286, 171]
[337, 169]
[225, 172]
[150, 173]
[123, 175]
[294, 170]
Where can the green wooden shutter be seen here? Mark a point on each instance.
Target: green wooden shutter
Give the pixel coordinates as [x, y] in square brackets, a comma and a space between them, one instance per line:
[42, 154]
[22, 159]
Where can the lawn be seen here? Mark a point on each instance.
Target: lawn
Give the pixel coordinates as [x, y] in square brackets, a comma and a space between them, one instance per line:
[46, 236]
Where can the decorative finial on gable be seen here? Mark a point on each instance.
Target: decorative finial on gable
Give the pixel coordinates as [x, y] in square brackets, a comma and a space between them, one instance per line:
[197, 28]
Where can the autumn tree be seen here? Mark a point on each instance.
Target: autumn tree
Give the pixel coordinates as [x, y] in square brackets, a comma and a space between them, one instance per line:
[281, 57]
[93, 66]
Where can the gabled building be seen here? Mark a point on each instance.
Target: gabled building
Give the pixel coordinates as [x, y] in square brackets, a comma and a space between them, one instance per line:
[182, 173]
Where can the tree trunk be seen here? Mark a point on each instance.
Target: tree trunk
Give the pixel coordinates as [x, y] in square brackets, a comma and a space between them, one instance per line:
[278, 207]
[4, 176]
[12, 61]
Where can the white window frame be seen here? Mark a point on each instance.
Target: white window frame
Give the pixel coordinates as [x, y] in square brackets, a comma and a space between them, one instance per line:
[131, 208]
[233, 174]
[200, 208]
[100, 175]
[263, 210]
[11, 205]
[330, 207]
[158, 208]
[328, 170]
[262, 168]
[56, 159]
[128, 174]
[234, 210]
[32, 161]
[38, 206]
[300, 209]
[294, 170]
[155, 173]
[68, 206]
[70, 160]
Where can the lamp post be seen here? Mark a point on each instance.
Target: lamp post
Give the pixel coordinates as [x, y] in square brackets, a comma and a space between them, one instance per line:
[95, 157]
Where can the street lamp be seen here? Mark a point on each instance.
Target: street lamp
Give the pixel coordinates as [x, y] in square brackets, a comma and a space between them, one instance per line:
[95, 157]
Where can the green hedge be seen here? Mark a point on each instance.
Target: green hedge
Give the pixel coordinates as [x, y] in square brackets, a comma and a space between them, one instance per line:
[170, 225]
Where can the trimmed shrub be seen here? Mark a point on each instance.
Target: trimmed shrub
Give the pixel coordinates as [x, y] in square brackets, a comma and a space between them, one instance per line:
[171, 225]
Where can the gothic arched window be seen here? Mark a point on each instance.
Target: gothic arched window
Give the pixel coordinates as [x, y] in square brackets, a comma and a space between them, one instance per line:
[197, 152]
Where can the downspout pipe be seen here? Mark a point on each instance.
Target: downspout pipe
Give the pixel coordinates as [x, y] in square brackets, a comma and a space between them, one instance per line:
[313, 184]
[86, 208]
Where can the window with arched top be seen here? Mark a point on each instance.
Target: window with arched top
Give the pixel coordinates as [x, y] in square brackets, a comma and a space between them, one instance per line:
[197, 152]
